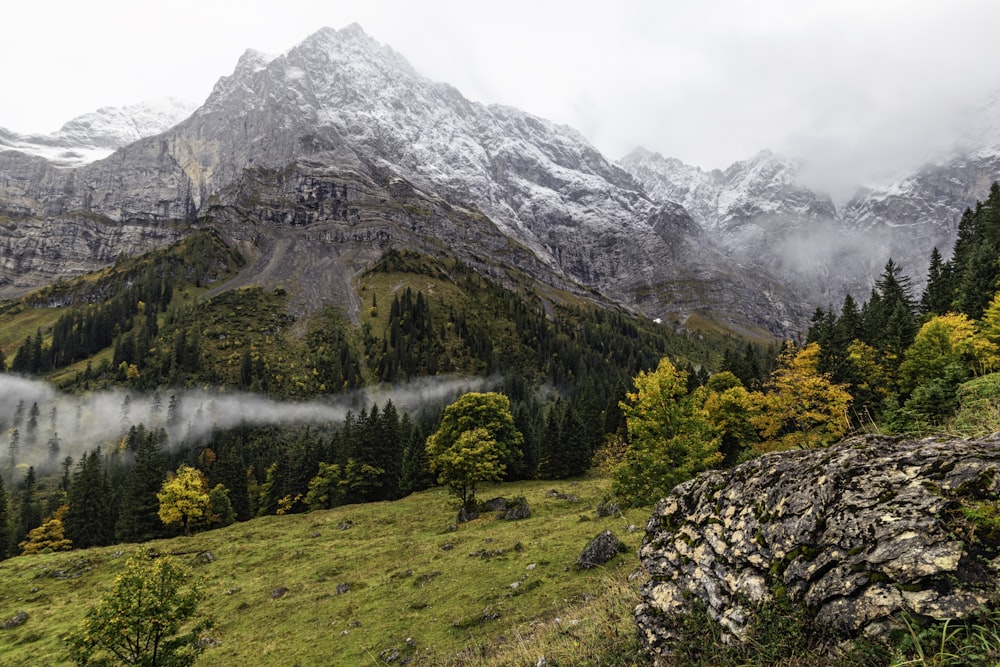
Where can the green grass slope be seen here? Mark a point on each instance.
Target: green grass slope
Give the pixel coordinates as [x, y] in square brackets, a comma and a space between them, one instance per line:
[491, 592]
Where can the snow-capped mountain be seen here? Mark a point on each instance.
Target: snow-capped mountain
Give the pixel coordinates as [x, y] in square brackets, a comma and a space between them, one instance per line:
[338, 148]
[760, 214]
[94, 136]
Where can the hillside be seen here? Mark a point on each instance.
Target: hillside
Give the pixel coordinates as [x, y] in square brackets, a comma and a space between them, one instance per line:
[439, 596]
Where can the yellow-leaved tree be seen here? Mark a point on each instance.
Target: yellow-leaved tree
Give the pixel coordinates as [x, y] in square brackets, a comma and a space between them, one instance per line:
[670, 436]
[49, 536]
[801, 407]
[944, 341]
[185, 499]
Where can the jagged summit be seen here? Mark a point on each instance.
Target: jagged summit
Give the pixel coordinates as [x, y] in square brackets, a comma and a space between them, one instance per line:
[95, 135]
[340, 138]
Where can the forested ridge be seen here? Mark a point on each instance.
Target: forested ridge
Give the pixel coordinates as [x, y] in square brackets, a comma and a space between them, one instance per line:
[143, 327]
[587, 385]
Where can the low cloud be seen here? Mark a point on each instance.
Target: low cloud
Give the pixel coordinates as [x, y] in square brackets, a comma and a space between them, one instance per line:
[101, 419]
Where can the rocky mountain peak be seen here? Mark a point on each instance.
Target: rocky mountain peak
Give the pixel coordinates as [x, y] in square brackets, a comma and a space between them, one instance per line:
[95, 135]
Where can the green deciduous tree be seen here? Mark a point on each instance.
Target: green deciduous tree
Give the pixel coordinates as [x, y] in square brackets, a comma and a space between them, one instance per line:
[670, 436]
[474, 457]
[147, 618]
[334, 484]
[476, 442]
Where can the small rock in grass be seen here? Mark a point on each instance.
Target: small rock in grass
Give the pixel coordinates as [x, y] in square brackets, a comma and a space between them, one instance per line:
[20, 618]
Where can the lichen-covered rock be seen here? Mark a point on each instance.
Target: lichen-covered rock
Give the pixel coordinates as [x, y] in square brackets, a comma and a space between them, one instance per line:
[857, 532]
[601, 549]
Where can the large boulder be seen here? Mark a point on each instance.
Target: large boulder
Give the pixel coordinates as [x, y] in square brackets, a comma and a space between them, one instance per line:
[857, 533]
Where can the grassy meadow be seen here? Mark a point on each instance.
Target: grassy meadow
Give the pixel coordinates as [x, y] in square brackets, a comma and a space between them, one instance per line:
[492, 592]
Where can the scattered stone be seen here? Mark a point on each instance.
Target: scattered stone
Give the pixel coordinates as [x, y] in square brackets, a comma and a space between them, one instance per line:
[451, 528]
[346, 524]
[569, 497]
[494, 505]
[531, 566]
[205, 557]
[315, 534]
[447, 547]
[20, 618]
[232, 591]
[517, 509]
[859, 532]
[601, 549]
[389, 655]
[516, 585]
[608, 508]
[355, 624]
[542, 662]
[208, 641]
[486, 554]
[279, 592]
[468, 513]
[425, 578]
[343, 588]
[411, 642]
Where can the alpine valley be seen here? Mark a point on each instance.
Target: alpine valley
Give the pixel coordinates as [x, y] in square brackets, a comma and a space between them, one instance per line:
[315, 162]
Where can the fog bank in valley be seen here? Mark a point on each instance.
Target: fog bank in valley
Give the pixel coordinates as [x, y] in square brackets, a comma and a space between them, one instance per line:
[79, 423]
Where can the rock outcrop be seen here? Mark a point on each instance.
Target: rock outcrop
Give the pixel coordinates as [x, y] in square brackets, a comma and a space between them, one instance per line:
[858, 533]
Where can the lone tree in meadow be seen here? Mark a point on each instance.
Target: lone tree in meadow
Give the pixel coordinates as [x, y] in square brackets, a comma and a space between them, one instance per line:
[147, 618]
[475, 443]
[185, 499]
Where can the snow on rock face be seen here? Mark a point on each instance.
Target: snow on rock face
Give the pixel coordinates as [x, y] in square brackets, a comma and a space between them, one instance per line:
[341, 107]
[757, 211]
[94, 136]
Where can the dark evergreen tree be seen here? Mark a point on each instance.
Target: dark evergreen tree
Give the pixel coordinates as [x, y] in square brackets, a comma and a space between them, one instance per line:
[5, 550]
[940, 291]
[138, 519]
[552, 462]
[13, 451]
[29, 513]
[88, 521]
[415, 474]
[31, 429]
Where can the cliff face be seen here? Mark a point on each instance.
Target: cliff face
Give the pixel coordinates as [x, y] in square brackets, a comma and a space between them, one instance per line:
[280, 139]
[859, 532]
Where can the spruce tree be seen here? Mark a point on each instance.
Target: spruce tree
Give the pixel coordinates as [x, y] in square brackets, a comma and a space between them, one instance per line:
[138, 520]
[4, 522]
[29, 513]
[940, 291]
[88, 521]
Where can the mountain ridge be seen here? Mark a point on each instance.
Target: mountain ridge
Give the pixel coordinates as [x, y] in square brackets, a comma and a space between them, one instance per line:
[342, 109]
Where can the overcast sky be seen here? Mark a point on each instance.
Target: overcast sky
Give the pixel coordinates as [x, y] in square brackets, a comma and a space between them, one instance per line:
[855, 89]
